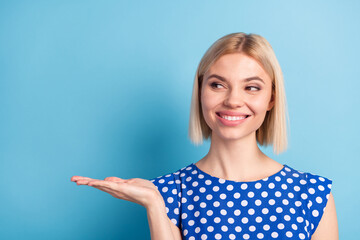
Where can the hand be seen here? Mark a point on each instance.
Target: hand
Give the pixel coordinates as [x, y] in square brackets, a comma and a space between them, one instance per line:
[137, 190]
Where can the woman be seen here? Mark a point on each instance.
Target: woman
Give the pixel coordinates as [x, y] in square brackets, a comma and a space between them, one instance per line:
[235, 191]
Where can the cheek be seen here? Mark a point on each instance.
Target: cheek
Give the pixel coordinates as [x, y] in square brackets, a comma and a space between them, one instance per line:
[260, 104]
[208, 100]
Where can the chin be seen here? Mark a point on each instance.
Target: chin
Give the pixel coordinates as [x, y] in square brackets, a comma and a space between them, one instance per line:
[230, 136]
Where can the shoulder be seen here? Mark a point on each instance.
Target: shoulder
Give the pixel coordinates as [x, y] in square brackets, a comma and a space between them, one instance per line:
[170, 184]
[313, 187]
[310, 181]
[172, 177]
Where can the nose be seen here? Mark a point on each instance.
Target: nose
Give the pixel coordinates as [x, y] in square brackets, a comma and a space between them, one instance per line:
[234, 99]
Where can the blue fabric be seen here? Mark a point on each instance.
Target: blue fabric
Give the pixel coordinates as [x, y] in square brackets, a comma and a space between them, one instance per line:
[286, 205]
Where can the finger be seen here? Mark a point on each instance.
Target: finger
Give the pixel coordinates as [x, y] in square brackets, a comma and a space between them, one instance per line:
[107, 190]
[102, 183]
[83, 182]
[76, 178]
[102, 188]
[114, 179]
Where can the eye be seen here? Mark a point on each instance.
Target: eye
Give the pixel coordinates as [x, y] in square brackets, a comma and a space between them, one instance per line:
[253, 87]
[214, 85]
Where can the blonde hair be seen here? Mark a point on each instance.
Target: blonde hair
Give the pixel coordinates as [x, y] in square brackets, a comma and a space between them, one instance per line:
[273, 129]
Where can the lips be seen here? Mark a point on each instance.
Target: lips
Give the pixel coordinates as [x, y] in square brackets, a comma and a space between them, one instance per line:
[231, 114]
[224, 115]
[231, 121]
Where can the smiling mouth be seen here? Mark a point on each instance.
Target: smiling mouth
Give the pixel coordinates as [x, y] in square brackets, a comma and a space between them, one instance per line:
[233, 118]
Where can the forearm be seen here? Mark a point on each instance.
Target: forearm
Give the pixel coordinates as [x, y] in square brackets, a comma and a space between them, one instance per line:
[159, 224]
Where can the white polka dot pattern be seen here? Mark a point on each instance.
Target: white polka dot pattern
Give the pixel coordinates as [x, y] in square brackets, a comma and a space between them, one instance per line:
[287, 205]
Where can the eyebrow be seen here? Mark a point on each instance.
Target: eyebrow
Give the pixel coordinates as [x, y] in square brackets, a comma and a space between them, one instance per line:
[245, 80]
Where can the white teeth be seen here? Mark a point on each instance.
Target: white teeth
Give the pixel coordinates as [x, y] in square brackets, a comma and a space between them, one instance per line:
[233, 118]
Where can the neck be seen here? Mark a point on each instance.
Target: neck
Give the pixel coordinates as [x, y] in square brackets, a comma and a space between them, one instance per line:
[237, 160]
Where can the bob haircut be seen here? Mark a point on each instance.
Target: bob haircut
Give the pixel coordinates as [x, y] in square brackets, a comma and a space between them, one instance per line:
[273, 129]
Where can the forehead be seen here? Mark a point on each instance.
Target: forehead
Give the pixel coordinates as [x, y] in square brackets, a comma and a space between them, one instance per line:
[237, 66]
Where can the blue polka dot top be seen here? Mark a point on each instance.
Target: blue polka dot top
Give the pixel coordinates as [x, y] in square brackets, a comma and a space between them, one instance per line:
[286, 205]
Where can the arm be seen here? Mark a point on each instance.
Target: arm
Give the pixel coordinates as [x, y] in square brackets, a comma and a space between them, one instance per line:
[143, 192]
[328, 226]
[161, 228]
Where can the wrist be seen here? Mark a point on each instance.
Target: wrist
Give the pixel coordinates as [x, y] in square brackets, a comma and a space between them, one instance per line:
[155, 201]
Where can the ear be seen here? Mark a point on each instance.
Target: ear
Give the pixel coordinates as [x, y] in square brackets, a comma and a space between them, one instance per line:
[272, 102]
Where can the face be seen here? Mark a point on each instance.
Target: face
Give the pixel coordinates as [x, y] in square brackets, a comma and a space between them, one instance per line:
[236, 94]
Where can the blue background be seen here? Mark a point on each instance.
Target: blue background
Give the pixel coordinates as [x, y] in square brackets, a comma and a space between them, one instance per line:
[103, 89]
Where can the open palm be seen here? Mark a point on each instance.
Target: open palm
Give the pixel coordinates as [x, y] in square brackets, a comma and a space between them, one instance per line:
[136, 190]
